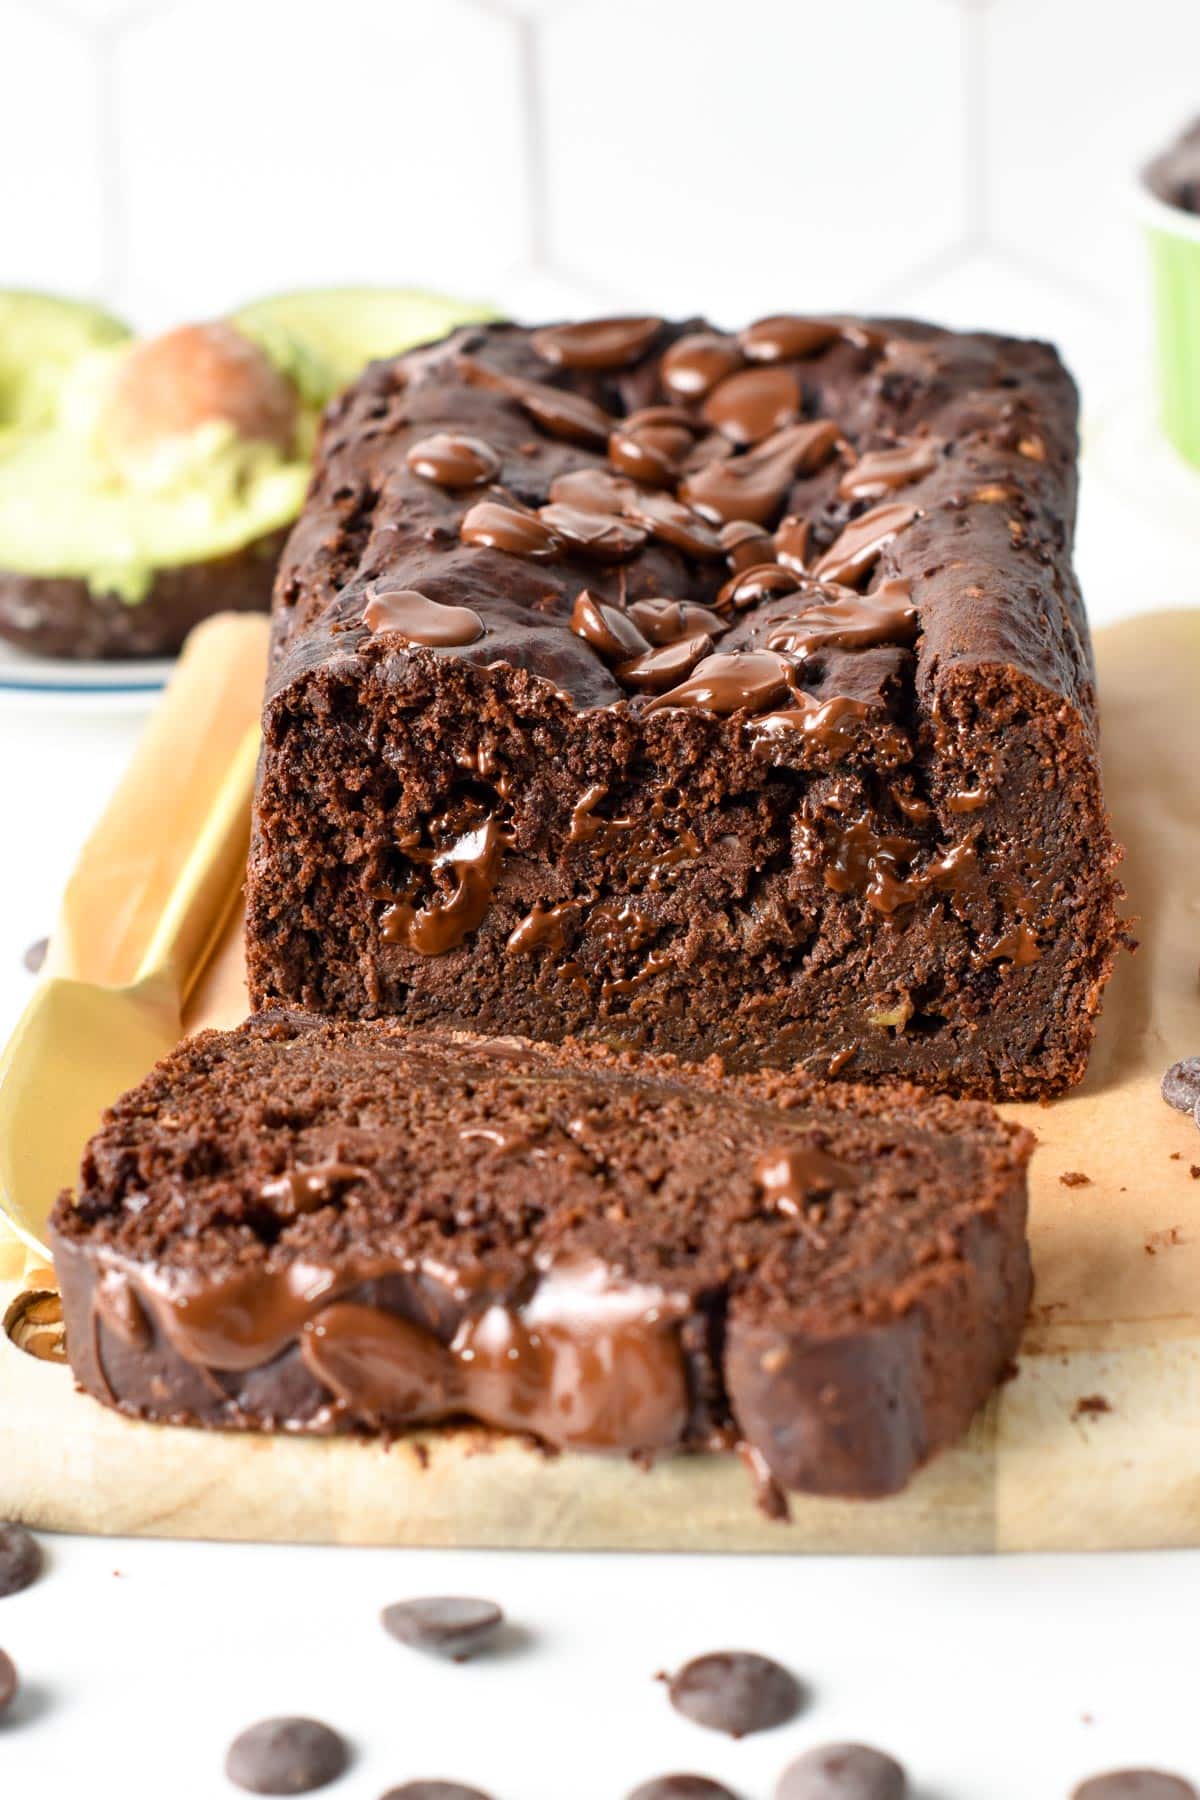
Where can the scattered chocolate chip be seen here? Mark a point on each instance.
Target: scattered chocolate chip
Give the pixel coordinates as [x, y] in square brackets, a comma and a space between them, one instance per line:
[1181, 1084]
[286, 1756]
[843, 1772]
[1135, 1784]
[451, 1625]
[20, 1559]
[1194, 1168]
[35, 956]
[1090, 1406]
[682, 1787]
[735, 1691]
[1075, 1178]
[435, 1790]
[8, 1681]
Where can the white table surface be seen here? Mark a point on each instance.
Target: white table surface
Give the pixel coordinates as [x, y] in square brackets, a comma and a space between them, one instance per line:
[992, 1679]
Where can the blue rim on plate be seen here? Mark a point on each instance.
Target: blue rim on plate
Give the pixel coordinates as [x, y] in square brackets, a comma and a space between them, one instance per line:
[34, 677]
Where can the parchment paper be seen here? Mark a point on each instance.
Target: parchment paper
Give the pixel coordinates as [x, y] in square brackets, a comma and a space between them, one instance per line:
[1115, 1324]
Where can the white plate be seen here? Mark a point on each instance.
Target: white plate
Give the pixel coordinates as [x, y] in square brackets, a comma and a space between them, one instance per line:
[81, 686]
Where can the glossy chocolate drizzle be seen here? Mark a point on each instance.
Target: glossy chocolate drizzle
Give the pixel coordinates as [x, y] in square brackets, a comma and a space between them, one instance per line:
[585, 1360]
[443, 923]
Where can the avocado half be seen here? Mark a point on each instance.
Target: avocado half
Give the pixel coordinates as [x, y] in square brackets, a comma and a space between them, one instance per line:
[106, 553]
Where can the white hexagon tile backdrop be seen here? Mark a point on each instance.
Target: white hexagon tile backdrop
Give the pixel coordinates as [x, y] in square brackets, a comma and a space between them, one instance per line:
[966, 159]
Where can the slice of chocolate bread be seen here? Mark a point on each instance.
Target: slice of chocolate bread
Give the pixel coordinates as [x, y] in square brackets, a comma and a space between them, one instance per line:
[315, 1225]
[697, 693]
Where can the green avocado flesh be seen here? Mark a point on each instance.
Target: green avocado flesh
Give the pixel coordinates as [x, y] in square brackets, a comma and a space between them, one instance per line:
[66, 509]
[323, 338]
[41, 338]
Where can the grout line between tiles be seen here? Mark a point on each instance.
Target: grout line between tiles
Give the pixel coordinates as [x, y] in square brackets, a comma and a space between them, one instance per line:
[976, 118]
[533, 119]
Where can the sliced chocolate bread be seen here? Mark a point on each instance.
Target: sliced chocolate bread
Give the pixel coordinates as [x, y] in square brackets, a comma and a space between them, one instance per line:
[323, 1226]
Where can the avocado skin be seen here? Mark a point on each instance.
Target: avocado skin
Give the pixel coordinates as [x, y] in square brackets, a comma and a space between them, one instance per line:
[60, 615]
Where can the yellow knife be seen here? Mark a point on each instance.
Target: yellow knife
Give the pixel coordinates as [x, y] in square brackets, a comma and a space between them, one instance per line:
[143, 909]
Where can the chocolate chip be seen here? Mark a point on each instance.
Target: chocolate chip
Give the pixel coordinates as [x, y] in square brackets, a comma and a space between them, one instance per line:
[8, 1681]
[843, 1772]
[682, 1787]
[435, 1790]
[1181, 1084]
[453, 1626]
[286, 1756]
[735, 1691]
[35, 956]
[1135, 1784]
[20, 1559]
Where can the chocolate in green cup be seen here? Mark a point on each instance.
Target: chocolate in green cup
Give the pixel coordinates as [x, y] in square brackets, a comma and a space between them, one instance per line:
[1173, 237]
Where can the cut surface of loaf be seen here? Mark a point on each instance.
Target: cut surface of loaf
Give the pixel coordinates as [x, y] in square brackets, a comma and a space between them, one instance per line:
[325, 1226]
[695, 692]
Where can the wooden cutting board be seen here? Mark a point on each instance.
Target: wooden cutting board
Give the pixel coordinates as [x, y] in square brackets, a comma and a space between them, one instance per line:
[1095, 1444]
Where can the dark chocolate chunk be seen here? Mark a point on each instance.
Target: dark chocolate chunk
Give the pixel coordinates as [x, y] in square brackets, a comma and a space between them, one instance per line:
[435, 1790]
[696, 362]
[491, 526]
[20, 1559]
[843, 1772]
[786, 335]
[1181, 1084]
[419, 620]
[452, 1625]
[286, 1756]
[597, 343]
[682, 1787]
[8, 1681]
[1135, 1784]
[736, 1691]
[453, 460]
[35, 956]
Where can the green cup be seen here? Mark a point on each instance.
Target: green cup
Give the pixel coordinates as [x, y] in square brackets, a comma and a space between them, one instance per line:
[1174, 241]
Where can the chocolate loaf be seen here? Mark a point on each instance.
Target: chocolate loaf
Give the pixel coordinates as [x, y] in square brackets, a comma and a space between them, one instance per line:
[324, 1226]
[706, 694]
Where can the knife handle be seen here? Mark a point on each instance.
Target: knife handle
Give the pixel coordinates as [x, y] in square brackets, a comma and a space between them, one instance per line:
[165, 854]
